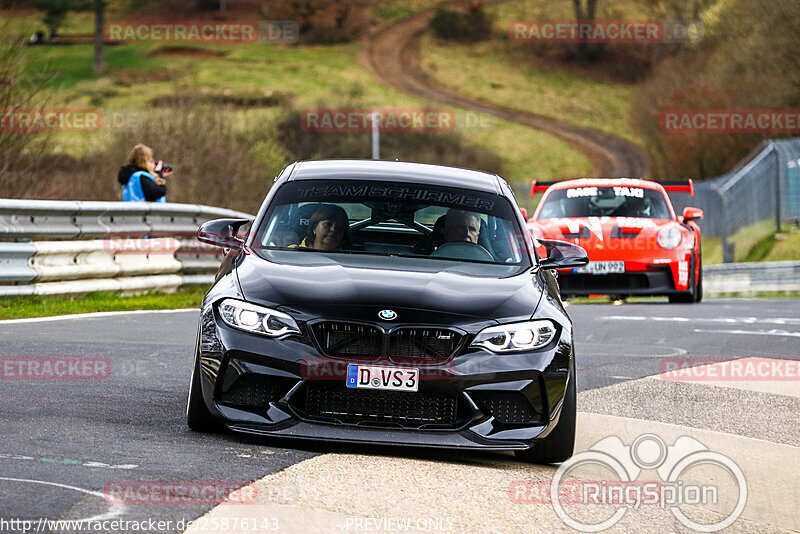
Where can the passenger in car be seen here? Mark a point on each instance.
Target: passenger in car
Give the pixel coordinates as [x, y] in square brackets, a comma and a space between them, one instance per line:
[328, 229]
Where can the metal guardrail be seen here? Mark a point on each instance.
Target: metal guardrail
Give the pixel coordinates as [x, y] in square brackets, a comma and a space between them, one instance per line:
[54, 247]
[751, 278]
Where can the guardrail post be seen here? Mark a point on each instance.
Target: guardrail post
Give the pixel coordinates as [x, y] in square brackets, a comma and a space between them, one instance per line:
[727, 248]
[778, 183]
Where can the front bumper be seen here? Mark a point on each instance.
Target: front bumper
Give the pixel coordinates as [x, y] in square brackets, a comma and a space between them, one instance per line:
[657, 281]
[639, 278]
[476, 400]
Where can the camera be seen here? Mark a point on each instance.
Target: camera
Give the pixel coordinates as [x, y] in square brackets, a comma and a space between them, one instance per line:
[164, 167]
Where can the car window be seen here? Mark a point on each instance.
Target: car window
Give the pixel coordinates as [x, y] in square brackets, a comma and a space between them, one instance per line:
[617, 201]
[389, 219]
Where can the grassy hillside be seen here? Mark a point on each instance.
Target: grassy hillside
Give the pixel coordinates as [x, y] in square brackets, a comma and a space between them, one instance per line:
[516, 75]
[263, 81]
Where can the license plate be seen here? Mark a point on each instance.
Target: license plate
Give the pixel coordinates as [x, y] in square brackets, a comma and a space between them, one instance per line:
[603, 267]
[377, 377]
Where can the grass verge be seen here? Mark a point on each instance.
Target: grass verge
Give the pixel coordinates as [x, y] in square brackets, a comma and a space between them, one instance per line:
[757, 242]
[47, 306]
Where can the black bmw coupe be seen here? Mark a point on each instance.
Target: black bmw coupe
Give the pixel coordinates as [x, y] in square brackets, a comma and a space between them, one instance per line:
[388, 302]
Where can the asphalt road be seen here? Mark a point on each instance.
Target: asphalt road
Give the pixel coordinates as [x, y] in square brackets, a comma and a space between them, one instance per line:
[62, 439]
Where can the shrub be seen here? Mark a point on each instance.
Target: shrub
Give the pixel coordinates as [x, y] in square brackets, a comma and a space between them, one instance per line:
[475, 25]
[748, 60]
[443, 148]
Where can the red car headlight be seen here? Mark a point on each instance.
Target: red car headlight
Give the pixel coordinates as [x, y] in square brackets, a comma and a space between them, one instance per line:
[669, 236]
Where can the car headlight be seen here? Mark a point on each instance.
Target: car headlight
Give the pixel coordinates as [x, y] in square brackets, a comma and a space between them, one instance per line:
[515, 337]
[256, 319]
[669, 236]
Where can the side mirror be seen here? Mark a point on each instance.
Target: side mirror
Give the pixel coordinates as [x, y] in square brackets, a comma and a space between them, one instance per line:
[524, 213]
[562, 255]
[222, 233]
[692, 214]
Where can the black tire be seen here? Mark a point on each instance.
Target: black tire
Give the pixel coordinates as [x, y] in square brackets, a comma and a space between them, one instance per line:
[198, 416]
[698, 290]
[559, 445]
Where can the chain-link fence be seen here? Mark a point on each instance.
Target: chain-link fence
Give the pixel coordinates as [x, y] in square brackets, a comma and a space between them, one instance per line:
[765, 185]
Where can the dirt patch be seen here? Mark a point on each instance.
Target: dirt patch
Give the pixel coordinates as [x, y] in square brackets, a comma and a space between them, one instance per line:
[186, 51]
[264, 100]
[127, 77]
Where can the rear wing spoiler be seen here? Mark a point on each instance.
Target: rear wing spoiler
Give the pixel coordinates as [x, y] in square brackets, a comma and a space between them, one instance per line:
[538, 187]
[669, 187]
[679, 187]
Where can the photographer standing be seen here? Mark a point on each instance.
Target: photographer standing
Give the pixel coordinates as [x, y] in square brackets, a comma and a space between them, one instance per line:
[142, 179]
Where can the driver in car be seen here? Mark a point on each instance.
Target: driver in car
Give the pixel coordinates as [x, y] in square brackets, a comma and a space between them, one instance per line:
[461, 225]
[637, 207]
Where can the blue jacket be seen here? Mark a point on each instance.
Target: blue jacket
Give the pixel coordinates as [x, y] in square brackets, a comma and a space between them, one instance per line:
[133, 191]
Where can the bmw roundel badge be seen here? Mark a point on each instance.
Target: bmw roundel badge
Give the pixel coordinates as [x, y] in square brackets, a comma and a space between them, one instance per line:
[387, 315]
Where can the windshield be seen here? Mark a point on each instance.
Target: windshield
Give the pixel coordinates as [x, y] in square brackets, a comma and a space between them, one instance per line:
[605, 202]
[390, 219]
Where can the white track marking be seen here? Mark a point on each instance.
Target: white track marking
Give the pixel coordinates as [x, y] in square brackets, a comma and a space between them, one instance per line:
[779, 333]
[789, 321]
[114, 510]
[93, 315]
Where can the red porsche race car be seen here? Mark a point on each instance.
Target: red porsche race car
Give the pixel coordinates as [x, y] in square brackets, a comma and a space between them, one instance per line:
[636, 243]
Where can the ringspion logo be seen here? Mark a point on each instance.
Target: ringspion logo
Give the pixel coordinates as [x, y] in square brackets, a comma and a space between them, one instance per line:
[684, 482]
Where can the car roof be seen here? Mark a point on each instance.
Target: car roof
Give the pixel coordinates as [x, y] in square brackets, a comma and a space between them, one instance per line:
[607, 182]
[402, 171]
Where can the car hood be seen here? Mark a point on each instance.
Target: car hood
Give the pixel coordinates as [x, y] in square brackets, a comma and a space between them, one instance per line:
[600, 229]
[333, 290]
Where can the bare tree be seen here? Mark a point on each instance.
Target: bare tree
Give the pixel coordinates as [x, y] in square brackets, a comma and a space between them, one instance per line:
[99, 44]
[20, 147]
[586, 11]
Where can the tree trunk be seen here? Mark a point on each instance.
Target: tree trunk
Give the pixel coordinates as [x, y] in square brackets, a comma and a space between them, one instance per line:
[99, 44]
[586, 51]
